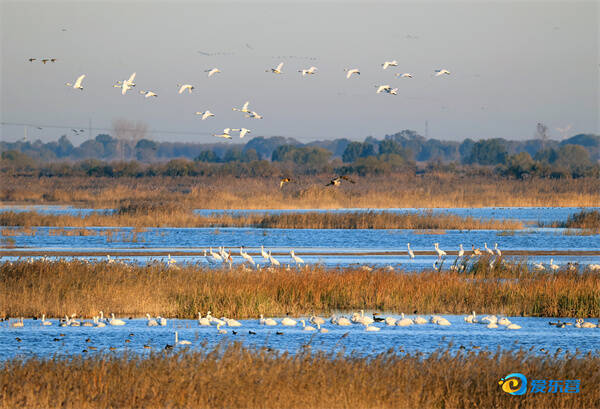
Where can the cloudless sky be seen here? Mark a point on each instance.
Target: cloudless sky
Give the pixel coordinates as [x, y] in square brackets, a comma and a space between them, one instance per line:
[512, 64]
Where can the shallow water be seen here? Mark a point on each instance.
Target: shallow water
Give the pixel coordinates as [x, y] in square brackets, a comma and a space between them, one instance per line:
[38, 340]
[326, 246]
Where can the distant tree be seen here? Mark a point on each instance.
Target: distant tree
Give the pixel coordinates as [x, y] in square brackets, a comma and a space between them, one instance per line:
[65, 147]
[356, 150]
[488, 152]
[571, 156]
[145, 150]
[233, 154]
[519, 165]
[250, 155]
[207, 156]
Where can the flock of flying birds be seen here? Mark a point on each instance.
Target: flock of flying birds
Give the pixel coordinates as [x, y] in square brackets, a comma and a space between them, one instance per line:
[128, 84]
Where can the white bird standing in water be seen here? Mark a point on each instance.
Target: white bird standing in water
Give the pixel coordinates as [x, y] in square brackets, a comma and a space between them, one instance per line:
[439, 252]
[247, 256]
[296, 259]
[349, 72]
[489, 250]
[498, 252]
[78, 83]
[410, 252]
[273, 260]
[461, 251]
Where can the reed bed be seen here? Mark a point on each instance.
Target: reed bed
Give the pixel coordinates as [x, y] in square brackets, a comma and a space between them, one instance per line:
[312, 220]
[56, 288]
[398, 190]
[230, 375]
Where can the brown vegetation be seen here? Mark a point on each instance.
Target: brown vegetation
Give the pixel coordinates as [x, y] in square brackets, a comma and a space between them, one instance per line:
[313, 220]
[59, 288]
[399, 190]
[236, 377]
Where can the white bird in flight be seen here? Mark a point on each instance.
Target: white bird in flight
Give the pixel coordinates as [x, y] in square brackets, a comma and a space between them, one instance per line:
[254, 115]
[148, 94]
[184, 87]
[206, 114]
[441, 72]
[225, 134]
[78, 82]
[383, 88]
[310, 71]
[126, 85]
[244, 108]
[349, 72]
[276, 70]
[405, 75]
[212, 71]
[242, 131]
[389, 64]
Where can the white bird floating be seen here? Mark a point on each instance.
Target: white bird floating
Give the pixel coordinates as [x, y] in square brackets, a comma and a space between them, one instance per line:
[267, 321]
[296, 259]
[151, 321]
[203, 321]
[77, 84]
[225, 134]
[307, 327]
[441, 72]
[288, 322]
[115, 321]
[349, 72]
[310, 71]
[206, 114]
[553, 266]
[387, 64]
[212, 71]
[405, 75]
[276, 70]
[182, 342]
[183, 87]
[148, 94]
[244, 108]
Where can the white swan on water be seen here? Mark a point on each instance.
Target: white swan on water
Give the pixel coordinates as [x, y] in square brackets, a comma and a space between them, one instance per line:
[116, 321]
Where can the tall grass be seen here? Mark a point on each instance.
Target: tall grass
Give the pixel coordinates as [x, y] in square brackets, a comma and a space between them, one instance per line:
[232, 376]
[313, 220]
[399, 190]
[59, 288]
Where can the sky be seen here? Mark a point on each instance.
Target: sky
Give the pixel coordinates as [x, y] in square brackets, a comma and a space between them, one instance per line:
[512, 64]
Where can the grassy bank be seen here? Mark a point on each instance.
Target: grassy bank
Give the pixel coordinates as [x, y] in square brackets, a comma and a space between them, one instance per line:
[313, 220]
[399, 190]
[232, 376]
[59, 288]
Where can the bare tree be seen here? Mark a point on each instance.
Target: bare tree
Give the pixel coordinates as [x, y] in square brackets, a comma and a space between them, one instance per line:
[541, 132]
[128, 133]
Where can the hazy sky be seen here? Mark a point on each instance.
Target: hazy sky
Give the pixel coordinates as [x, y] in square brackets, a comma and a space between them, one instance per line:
[512, 64]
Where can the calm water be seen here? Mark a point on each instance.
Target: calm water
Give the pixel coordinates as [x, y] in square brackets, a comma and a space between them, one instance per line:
[535, 333]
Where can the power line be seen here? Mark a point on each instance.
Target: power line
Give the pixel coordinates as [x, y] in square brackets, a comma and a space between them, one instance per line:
[104, 129]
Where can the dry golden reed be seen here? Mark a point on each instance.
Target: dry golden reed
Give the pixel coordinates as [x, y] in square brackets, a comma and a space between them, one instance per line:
[67, 287]
[399, 190]
[310, 220]
[231, 376]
